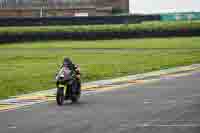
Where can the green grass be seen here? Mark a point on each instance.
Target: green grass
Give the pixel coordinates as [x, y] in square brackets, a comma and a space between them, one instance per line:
[28, 67]
[147, 26]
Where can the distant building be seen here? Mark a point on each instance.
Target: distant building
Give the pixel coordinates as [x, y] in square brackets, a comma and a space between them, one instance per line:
[43, 8]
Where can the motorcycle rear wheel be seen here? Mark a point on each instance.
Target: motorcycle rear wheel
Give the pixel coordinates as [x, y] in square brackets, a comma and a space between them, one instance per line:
[76, 95]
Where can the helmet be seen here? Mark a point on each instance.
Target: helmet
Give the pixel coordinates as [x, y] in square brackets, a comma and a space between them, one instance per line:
[67, 61]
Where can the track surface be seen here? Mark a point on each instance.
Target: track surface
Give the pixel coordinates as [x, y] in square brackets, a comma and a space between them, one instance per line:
[167, 106]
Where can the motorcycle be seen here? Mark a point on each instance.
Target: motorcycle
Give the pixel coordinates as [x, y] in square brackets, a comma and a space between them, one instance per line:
[68, 86]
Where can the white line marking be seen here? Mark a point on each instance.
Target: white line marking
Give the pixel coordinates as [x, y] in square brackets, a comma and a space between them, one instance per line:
[167, 125]
[12, 127]
[195, 95]
[184, 97]
[147, 101]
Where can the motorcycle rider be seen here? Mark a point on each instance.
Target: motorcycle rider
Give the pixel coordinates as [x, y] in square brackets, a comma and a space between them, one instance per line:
[75, 70]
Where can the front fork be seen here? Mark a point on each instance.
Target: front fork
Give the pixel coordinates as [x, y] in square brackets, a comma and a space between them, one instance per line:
[62, 85]
[67, 85]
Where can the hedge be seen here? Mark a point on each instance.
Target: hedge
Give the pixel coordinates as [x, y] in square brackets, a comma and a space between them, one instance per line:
[150, 29]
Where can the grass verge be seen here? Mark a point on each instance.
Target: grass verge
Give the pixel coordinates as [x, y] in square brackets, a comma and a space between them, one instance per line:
[28, 67]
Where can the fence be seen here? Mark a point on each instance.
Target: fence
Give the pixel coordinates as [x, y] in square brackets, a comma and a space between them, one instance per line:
[34, 21]
[180, 16]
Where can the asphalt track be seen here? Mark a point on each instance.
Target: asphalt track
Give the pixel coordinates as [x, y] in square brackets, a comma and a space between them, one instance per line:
[171, 105]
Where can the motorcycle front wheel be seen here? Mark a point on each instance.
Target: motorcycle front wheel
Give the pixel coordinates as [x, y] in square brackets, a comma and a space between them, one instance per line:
[60, 97]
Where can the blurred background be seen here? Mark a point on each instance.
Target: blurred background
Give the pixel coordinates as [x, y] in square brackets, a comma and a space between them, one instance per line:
[42, 8]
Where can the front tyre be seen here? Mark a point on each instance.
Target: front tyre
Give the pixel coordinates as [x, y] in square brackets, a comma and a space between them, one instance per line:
[60, 96]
